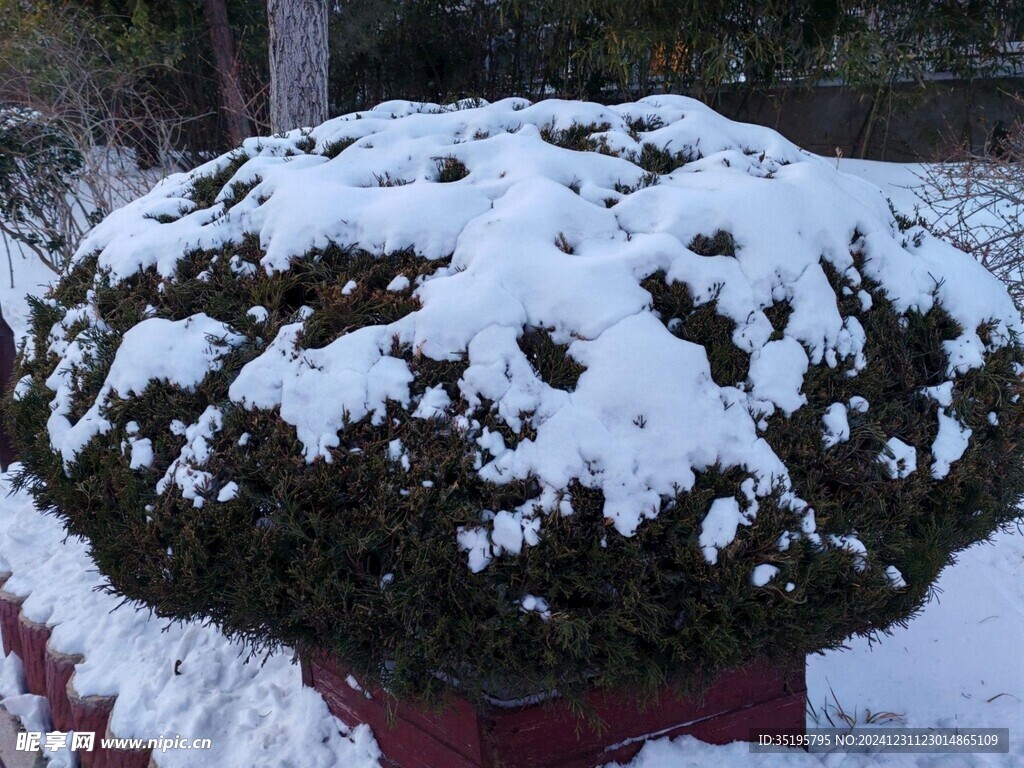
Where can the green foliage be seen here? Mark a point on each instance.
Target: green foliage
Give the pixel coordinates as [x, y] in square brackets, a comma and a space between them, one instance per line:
[604, 50]
[205, 188]
[577, 137]
[644, 124]
[915, 523]
[306, 144]
[238, 191]
[451, 169]
[647, 180]
[719, 244]
[906, 223]
[358, 556]
[661, 160]
[333, 149]
[701, 324]
[551, 361]
[778, 315]
[563, 243]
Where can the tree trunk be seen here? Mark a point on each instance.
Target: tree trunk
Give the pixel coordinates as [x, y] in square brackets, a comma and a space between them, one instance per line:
[298, 63]
[226, 63]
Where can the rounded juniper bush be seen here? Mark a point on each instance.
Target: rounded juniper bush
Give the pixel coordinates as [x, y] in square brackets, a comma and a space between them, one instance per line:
[517, 397]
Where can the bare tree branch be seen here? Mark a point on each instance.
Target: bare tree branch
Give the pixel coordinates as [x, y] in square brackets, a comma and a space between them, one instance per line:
[978, 202]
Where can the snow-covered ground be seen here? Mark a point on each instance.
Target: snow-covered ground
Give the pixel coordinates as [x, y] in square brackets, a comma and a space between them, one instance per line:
[956, 665]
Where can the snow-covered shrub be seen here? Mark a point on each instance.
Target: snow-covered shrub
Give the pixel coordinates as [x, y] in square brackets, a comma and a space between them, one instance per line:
[519, 397]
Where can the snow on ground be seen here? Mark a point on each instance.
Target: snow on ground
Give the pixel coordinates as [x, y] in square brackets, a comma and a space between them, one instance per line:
[897, 180]
[910, 185]
[31, 276]
[255, 714]
[956, 664]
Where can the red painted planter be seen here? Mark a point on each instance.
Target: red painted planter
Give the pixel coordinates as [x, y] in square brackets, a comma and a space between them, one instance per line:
[59, 669]
[50, 673]
[10, 610]
[739, 703]
[33, 638]
[121, 758]
[90, 713]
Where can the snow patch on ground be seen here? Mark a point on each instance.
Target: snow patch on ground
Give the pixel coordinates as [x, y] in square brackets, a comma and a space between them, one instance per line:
[255, 713]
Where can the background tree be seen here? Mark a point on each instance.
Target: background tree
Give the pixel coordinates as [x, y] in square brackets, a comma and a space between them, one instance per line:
[209, 59]
[298, 63]
[83, 127]
[110, 95]
[222, 42]
[610, 51]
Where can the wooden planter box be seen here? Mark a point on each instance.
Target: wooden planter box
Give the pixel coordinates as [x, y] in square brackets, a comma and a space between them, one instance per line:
[738, 704]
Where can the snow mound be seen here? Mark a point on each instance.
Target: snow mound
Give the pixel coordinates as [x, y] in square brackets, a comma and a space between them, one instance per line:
[548, 237]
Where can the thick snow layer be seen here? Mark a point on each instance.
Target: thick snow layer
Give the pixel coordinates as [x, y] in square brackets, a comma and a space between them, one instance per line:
[836, 425]
[894, 575]
[181, 353]
[548, 237]
[719, 527]
[763, 574]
